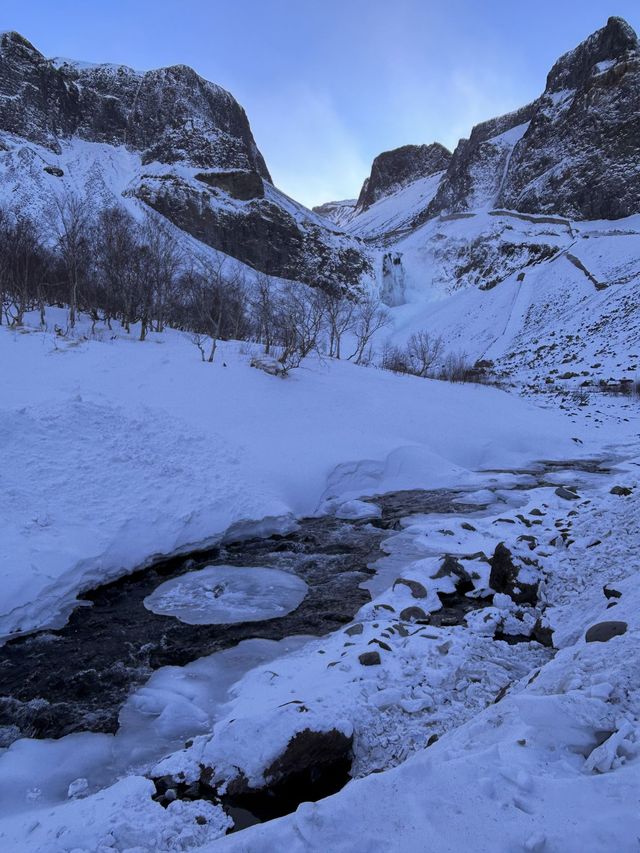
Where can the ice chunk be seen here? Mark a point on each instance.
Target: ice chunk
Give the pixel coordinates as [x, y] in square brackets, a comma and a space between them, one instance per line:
[219, 595]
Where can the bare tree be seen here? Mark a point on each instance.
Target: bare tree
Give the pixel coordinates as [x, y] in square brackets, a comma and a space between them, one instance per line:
[216, 296]
[72, 215]
[25, 262]
[370, 318]
[395, 358]
[117, 246]
[456, 368]
[340, 313]
[423, 352]
[263, 305]
[300, 320]
[163, 260]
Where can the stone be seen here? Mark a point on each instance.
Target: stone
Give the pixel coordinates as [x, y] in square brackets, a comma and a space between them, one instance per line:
[611, 593]
[380, 643]
[566, 494]
[417, 589]
[543, 634]
[308, 751]
[452, 568]
[369, 658]
[622, 491]
[414, 614]
[602, 632]
[353, 630]
[504, 578]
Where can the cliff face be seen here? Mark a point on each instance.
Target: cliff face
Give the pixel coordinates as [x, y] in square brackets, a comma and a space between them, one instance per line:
[194, 159]
[574, 151]
[581, 153]
[168, 115]
[393, 170]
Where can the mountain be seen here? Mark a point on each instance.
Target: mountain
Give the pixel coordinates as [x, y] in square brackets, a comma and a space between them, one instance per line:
[392, 170]
[399, 180]
[523, 250]
[167, 139]
[574, 151]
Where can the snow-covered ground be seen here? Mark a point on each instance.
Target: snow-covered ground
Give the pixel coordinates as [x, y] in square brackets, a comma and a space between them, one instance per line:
[115, 451]
[553, 764]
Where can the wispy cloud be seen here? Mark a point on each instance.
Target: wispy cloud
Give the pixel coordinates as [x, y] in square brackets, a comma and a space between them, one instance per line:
[312, 153]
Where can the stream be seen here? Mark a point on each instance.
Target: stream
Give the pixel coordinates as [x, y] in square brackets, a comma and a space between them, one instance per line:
[77, 678]
[97, 678]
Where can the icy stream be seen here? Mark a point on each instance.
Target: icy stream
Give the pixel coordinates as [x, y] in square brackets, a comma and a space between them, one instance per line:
[120, 686]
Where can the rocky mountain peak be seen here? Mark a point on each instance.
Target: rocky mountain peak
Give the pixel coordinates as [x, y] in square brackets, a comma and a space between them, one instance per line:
[168, 114]
[573, 151]
[186, 150]
[615, 41]
[394, 169]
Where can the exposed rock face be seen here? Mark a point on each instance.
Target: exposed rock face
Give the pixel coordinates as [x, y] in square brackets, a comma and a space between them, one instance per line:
[581, 154]
[261, 233]
[392, 170]
[574, 151]
[478, 164]
[222, 192]
[169, 114]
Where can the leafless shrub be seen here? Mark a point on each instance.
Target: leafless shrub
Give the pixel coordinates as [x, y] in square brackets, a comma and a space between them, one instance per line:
[423, 352]
[456, 367]
[369, 318]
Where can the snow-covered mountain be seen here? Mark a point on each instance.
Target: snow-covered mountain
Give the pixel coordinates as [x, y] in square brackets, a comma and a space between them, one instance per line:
[525, 248]
[164, 138]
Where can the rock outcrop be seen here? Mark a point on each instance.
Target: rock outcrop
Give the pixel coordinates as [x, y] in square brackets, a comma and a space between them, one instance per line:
[169, 115]
[574, 151]
[393, 170]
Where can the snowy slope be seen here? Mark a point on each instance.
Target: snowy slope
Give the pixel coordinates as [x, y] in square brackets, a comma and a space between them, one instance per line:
[191, 449]
[541, 296]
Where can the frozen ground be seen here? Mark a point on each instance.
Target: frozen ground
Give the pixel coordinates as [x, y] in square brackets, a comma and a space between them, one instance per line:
[535, 751]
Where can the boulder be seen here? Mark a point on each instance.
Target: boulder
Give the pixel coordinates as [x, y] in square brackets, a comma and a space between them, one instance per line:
[504, 578]
[622, 491]
[417, 589]
[602, 632]
[414, 614]
[567, 494]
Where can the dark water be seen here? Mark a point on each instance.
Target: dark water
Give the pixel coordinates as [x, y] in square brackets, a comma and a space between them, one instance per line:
[76, 679]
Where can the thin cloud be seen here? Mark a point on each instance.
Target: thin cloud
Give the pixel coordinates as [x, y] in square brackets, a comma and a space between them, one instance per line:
[312, 154]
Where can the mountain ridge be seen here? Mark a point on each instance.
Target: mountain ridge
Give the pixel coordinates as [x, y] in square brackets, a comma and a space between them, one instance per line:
[168, 140]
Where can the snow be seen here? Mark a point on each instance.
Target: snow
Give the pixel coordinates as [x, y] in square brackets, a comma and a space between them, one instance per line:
[122, 817]
[218, 595]
[556, 760]
[167, 451]
[396, 211]
[190, 449]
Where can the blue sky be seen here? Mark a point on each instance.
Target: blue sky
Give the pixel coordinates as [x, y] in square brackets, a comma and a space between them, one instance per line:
[328, 84]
